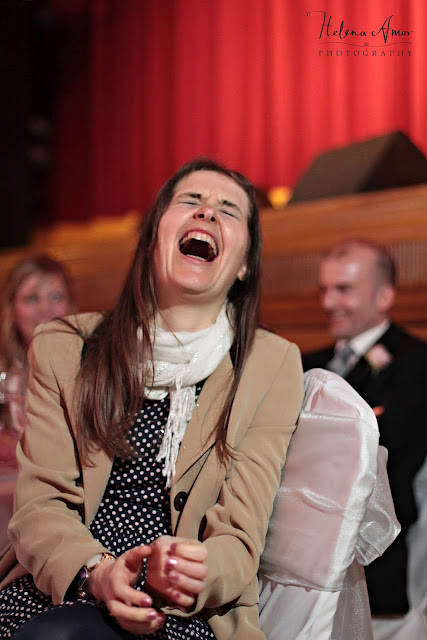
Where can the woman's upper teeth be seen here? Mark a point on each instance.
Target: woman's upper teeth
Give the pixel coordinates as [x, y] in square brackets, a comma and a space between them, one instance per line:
[203, 237]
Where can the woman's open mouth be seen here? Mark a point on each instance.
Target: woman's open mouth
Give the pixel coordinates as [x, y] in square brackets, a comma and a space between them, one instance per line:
[199, 245]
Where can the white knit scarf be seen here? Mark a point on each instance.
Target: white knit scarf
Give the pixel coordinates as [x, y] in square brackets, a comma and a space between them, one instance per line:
[181, 360]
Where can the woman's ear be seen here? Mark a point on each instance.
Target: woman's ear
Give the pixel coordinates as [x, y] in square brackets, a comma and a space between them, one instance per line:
[241, 275]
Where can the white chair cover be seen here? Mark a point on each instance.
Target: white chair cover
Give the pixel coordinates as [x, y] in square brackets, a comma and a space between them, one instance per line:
[333, 511]
[412, 626]
[417, 543]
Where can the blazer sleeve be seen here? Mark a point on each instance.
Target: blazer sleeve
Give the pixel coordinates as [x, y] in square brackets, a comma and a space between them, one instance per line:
[47, 530]
[236, 526]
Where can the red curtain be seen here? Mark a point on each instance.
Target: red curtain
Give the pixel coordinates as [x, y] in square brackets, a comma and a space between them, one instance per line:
[243, 81]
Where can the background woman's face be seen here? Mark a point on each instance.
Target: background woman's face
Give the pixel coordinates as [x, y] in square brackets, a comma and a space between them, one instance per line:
[40, 298]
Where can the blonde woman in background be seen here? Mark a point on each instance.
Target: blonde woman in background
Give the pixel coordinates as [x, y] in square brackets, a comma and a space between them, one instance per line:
[37, 290]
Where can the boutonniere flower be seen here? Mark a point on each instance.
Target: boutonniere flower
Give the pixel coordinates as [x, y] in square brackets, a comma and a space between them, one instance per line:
[378, 357]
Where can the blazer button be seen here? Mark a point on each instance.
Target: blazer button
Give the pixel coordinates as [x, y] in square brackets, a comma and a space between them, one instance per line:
[180, 500]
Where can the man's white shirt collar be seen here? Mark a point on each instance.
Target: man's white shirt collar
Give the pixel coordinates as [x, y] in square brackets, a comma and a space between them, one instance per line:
[364, 341]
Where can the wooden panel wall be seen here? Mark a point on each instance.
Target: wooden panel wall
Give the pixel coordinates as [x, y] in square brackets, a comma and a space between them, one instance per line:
[98, 255]
[296, 238]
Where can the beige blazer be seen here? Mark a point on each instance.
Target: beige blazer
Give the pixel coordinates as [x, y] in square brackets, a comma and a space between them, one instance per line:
[229, 508]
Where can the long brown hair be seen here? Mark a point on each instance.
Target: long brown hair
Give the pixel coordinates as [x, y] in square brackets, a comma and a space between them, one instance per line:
[110, 382]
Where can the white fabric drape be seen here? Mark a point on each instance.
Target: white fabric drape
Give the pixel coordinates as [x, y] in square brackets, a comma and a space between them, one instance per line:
[333, 511]
[412, 626]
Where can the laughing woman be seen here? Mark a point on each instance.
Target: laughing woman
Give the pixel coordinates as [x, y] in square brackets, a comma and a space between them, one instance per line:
[155, 438]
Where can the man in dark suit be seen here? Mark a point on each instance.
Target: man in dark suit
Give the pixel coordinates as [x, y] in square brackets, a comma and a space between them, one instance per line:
[388, 367]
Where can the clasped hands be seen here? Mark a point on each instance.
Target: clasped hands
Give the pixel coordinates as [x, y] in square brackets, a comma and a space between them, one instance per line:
[176, 570]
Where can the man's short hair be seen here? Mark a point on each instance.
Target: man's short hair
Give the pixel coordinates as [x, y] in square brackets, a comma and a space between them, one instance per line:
[386, 267]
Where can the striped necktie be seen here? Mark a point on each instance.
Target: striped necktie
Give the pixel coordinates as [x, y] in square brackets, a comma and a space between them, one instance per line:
[340, 361]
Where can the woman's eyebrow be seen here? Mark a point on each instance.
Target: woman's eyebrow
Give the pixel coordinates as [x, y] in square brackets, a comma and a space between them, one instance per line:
[199, 197]
[194, 196]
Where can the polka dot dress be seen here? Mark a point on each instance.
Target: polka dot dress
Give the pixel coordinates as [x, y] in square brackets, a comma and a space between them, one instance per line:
[134, 510]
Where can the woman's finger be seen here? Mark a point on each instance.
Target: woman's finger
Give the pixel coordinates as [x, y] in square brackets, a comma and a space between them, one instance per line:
[134, 557]
[182, 590]
[130, 596]
[189, 550]
[115, 580]
[137, 620]
[197, 570]
[184, 583]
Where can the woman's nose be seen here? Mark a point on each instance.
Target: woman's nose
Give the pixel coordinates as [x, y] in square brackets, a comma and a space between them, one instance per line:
[47, 310]
[206, 213]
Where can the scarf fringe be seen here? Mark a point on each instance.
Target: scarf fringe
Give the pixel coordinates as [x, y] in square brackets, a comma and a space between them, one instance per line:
[181, 360]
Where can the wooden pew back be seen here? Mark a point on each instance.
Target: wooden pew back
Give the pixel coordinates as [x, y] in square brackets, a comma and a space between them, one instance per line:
[99, 253]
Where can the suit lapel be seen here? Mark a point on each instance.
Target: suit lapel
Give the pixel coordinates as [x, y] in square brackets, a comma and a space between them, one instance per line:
[390, 339]
[362, 377]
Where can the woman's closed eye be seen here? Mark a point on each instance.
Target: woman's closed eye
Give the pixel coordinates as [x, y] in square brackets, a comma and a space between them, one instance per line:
[230, 209]
[229, 212]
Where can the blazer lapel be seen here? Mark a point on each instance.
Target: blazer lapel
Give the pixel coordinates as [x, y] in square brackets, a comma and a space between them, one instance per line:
[198, 439]
[199, 435]
[258, 374]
